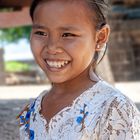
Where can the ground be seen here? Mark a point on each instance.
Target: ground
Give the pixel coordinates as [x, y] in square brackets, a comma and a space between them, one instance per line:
[8, 123]
[10, 106]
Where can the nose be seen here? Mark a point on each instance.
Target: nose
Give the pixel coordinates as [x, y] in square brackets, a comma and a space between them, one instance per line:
[53, 46]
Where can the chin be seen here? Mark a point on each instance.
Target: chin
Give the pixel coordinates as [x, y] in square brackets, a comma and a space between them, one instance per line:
[56, 80]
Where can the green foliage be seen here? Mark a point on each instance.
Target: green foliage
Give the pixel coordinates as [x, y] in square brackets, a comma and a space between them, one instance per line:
[14, 34]
[6, 9]
[14, 66]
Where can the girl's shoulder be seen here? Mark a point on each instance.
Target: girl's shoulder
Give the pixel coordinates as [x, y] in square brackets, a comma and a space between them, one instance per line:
[24, 115]
[109, 112]
[116, 93]
[120, 118]
[110, 98]
[109, 91]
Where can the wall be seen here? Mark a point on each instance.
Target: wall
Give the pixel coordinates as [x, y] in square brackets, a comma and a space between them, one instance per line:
[124, 44]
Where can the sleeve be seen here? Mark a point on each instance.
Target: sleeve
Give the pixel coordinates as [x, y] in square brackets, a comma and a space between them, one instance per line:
[120, 121]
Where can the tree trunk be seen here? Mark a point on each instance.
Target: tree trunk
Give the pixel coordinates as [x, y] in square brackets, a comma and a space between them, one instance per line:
[2, 73]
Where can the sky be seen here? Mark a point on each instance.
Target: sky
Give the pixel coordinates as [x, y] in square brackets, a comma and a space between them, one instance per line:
[17, 51]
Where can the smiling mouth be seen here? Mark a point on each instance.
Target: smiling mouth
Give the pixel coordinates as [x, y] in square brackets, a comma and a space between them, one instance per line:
[57, 64]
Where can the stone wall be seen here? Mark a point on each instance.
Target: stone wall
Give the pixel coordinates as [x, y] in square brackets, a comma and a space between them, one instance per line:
[124, 44]
[125, 2]
[2, 74]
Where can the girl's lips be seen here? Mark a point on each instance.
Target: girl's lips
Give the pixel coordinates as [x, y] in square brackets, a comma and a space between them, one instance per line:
[57, 68]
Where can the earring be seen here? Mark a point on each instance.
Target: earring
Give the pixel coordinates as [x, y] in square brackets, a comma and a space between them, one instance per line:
[98, 46]
[102, 48]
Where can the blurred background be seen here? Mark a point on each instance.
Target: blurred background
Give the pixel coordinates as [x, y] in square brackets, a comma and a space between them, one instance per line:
[21, 79]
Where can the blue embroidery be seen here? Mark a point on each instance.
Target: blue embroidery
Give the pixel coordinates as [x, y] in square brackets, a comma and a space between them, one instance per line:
[26, 120]
[81, 110]
[31, 135]
[26, 127]
[83, 114]
[27, 117]
[79, 119]
[32, 106]
[86, 113]
[22, 120]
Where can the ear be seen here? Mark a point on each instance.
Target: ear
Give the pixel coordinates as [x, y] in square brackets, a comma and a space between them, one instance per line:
[102, 37]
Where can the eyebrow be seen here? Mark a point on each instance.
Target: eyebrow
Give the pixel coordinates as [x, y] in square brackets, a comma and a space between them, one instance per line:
[36, 26]
[66, 28]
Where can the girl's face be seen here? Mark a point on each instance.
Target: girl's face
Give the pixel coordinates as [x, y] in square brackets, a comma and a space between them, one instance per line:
[63, 39]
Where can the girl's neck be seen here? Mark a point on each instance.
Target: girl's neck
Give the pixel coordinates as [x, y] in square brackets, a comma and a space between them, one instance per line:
[81, 82]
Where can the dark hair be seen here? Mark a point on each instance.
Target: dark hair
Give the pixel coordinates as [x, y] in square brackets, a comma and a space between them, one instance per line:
[100, 8]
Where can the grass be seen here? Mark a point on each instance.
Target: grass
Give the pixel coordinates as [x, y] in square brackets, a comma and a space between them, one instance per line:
[15, 66]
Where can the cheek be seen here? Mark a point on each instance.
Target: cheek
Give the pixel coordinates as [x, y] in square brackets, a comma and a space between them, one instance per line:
[36, 50]
[36, 47]
[73, 46]
[80, 48]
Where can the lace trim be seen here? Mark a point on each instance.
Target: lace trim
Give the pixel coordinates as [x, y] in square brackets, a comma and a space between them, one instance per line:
[67, 108]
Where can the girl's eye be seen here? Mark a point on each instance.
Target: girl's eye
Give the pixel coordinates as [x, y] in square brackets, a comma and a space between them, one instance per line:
[41, 33]
[68, 35]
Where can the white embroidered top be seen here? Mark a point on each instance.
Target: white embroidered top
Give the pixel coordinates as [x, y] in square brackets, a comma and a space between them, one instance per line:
[100, 113]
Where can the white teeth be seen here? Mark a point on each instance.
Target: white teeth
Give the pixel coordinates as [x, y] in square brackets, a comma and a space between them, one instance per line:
[63, 64]
[66, 62]
[57, 64]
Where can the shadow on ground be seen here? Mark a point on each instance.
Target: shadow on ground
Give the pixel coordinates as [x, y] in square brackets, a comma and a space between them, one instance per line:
[8, 123]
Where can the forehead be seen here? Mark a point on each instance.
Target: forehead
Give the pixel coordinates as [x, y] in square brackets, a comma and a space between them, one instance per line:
[82, 3]
[67, 10]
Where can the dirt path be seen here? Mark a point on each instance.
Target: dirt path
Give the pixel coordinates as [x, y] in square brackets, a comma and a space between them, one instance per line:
[8, 122]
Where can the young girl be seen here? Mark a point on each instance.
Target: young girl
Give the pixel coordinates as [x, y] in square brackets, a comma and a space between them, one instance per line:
[66, 40]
